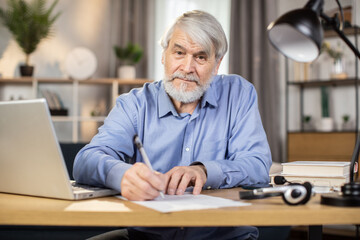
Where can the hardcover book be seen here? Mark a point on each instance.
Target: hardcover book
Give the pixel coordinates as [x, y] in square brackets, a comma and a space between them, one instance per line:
[324, 181]
[316, 168]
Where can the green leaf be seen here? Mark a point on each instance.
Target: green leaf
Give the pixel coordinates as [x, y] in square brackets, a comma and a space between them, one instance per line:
[29, 22]
[129, 55]
[325, 102]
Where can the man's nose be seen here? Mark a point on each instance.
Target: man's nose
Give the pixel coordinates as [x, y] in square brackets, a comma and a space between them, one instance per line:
[188, 65]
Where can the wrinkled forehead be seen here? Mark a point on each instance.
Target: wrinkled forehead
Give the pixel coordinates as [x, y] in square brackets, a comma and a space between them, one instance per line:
[195, 37]
[182, 40]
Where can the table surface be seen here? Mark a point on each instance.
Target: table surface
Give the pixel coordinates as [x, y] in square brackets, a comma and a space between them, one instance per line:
[112, 211]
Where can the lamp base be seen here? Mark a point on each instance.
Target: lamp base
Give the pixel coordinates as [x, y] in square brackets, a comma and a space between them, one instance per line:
[348, 197]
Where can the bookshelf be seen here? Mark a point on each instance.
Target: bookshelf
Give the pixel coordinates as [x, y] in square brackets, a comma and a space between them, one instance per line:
[72, 91]
[315, 145]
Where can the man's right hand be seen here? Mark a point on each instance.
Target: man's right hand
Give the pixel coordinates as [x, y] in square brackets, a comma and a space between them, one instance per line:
[139, 183]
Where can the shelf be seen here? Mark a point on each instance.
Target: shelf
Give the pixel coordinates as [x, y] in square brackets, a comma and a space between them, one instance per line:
[320, 132]
[62, 118]
[320, 83]
[74, 119]
[16, 80]
[78, 118]
[316, 145]
[92, 119]
[128, 82]
[348, 31]
[29, 80]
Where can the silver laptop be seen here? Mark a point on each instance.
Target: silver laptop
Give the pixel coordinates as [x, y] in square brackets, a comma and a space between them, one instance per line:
[31, 162]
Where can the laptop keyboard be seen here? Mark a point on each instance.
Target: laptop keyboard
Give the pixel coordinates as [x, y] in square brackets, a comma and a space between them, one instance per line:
[82, 187]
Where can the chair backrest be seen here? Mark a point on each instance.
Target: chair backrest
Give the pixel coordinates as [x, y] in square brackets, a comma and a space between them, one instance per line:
[69, 151]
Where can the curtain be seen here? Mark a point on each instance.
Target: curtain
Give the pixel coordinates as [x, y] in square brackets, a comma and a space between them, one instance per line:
[131, 21]
[252, 57]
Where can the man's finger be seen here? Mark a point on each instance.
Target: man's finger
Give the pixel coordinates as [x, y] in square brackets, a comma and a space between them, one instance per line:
[140, 183]
[198, 186]
[155, 179]
[184, 182]
[174, 176]
[135, 188]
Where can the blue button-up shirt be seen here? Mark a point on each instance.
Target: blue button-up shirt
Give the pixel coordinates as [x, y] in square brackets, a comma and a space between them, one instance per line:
[224, 133]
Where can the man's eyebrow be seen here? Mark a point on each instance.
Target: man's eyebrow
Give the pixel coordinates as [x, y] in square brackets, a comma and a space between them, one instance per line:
[178, 46]
[202, 52]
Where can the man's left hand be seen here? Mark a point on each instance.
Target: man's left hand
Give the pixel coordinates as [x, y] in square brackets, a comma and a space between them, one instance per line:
[182, 177]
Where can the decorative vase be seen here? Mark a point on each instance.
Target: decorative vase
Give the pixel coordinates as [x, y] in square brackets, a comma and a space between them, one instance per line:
[127, 72]
[347, 126]
[26, 70]
[338, 69]
[326, 124]
[308, 126]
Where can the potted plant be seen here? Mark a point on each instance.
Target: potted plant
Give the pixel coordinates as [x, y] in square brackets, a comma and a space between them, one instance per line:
[336, 54]
[29, 23]
[128, 57]
[346, 124]
[307, 123]
[326, 121]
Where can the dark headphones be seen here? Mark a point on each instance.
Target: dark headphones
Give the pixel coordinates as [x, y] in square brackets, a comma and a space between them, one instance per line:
[292, 193]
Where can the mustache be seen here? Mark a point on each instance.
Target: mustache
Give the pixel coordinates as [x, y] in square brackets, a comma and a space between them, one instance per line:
[189, 77]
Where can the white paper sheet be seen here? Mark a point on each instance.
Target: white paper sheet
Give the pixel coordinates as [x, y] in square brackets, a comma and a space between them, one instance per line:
[188, 201]
[97, 206]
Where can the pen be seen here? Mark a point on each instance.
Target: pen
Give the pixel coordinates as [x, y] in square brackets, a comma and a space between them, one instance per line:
[139, 145]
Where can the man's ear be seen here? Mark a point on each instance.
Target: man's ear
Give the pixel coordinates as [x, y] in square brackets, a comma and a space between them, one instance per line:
[163, 58]
[217, 66]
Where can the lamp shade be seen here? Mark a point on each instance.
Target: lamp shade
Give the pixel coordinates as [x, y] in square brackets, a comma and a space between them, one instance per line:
[297, 34]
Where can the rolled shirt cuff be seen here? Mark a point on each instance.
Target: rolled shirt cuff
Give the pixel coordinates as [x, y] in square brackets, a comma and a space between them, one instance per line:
[115, 175]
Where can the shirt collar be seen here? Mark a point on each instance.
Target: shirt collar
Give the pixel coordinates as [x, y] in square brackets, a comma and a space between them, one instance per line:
[165, 104]
[210, 97]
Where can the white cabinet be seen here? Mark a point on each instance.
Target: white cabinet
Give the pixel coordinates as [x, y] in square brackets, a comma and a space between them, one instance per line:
[88, 101]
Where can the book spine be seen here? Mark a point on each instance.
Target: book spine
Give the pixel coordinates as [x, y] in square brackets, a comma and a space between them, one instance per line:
[316, 170]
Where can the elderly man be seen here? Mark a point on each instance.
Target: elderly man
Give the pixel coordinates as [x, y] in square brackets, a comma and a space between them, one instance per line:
[198, 128]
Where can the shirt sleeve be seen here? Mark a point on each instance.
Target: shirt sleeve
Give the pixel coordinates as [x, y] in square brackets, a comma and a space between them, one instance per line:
[105, 159]
[248, 157]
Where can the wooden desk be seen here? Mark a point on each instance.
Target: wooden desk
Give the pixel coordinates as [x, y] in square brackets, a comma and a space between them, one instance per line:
[25, 210]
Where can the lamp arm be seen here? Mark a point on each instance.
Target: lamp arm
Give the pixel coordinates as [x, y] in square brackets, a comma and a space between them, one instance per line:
[334, 24]
[315, 5]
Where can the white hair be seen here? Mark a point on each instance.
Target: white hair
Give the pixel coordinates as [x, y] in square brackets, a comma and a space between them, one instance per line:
[203, 28]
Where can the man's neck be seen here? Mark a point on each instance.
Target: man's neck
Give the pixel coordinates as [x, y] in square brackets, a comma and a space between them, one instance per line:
[184, 107]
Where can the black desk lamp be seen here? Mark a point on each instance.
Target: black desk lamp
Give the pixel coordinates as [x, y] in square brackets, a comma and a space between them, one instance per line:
[298, 35]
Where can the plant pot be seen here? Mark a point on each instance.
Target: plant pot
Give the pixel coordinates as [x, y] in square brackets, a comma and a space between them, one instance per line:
[308, 126]
[347, 126]
[338, 69]
[326, 124]
[26, 70]
[127, 72]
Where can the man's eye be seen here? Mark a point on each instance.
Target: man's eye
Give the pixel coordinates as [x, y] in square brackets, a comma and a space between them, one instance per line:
[201, 58]
[179, 52]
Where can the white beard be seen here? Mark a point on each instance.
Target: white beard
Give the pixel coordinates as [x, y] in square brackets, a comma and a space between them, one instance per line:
[181, 94]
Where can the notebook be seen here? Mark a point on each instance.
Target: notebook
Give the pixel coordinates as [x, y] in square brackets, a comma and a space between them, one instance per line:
[31, 161]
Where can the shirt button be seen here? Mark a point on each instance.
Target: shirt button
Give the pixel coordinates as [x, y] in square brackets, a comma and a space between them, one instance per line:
[187, 149]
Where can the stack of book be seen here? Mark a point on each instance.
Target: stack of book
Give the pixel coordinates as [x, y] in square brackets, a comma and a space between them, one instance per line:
[331, 174]
[55, 104]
